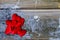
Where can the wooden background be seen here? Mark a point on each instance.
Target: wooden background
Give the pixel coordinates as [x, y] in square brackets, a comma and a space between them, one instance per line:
[32, 3]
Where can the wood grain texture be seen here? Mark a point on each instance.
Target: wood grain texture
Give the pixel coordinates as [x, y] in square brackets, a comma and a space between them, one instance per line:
[32, 3]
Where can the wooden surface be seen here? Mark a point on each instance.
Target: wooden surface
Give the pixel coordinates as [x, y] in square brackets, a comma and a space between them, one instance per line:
[32, 3]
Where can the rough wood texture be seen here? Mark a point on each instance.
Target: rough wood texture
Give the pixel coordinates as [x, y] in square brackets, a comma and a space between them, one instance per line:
[32, 3]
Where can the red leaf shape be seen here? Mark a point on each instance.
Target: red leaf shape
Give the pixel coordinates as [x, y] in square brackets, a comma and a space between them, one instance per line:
[14, 26]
